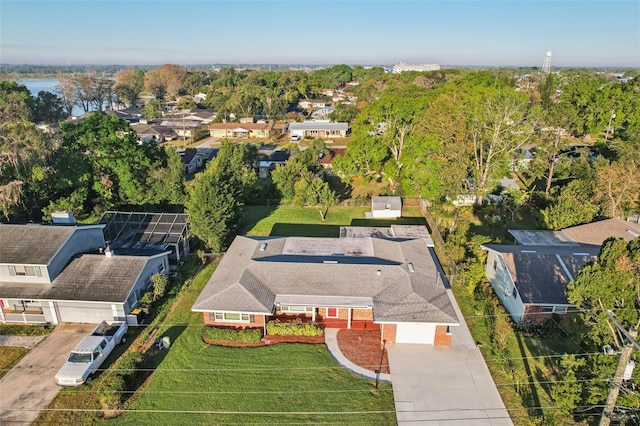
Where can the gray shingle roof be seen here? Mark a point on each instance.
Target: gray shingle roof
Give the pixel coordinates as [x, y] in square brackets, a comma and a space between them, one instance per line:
[31, 244]
[367, 267]
[598, 232]
[317, 125]
[89, 277]
[541, 273]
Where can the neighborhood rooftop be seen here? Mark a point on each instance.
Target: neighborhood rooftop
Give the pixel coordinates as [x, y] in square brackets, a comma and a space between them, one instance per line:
[398, 278]
[32, 244]
[89, 277]
[316, 125]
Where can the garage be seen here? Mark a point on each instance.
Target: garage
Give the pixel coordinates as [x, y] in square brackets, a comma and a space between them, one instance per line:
[415, 332]
[84, 312]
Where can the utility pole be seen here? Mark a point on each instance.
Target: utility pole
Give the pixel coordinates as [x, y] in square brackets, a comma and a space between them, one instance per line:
[614, 390]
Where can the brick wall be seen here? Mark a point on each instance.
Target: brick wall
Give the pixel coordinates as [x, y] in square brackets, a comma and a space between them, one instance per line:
[258, 321]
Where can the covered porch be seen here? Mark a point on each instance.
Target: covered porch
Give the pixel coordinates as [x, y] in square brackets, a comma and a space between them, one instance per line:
[327, 311]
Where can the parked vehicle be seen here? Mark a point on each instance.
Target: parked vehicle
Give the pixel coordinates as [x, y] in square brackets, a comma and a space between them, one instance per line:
[89, 354]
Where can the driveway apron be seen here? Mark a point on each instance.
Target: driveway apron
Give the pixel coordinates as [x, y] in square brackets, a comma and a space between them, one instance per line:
[445, 386]
[30, 385]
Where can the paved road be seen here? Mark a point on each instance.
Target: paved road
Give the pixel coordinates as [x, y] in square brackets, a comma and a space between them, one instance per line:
[445, 386]
[30, 385]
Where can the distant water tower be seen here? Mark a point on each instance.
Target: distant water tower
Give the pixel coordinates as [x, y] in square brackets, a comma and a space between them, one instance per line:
[546, 65]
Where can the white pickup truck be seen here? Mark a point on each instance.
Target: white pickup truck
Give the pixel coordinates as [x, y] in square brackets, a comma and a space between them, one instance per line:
[89, 354]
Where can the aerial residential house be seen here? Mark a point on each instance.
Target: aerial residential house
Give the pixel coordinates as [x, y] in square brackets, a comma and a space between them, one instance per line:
[319, 129]
[385, 207]
[241, 130]
[531, 281]
[385, 279]
[269, 160]
[191, 160]
[312, 103]
[327, 159]
[66, 273]
[148, 133]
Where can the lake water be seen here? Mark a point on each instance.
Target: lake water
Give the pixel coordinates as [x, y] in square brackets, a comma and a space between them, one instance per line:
[48, 85]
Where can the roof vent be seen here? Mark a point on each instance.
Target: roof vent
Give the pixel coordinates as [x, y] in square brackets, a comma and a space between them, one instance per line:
[411, 268]
[263, 246]
[378, 272]
[632, 232]
[329, 261]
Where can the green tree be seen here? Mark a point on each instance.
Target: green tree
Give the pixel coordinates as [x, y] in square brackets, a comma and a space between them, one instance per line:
[612, 283]
[102, 152]
[571, 207]
[48, 108]
[152, 110]
[128, 85]
[567, 392]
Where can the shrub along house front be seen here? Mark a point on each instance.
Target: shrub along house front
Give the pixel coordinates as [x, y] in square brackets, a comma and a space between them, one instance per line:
[389, 282]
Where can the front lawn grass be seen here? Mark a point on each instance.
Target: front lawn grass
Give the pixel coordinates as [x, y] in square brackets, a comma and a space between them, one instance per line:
[306, 222]
[9, 356]
[199, 384]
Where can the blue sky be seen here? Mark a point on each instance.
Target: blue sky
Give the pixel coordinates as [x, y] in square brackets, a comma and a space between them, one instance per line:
[485, 33]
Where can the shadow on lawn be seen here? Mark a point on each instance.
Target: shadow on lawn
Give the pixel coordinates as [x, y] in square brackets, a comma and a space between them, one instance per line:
[154, 355]
[304, 230]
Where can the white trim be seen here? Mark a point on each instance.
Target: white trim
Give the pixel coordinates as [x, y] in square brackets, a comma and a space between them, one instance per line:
[564, 267]
[224, 319]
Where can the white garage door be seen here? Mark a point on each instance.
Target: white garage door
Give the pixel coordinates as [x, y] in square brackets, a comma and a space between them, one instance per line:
[415, 332]
[91, 313]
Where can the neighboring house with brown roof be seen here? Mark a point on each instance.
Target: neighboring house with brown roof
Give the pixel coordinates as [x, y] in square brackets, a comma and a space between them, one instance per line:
[62, 273]
[531, 281]
[241, 130]
[369, 278]
[594, 233]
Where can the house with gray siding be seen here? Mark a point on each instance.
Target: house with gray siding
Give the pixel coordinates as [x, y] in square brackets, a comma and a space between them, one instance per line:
[63, 273]
[531, 281]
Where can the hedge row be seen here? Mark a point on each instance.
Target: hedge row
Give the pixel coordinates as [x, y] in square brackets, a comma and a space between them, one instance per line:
[230, 335]
[296, 328]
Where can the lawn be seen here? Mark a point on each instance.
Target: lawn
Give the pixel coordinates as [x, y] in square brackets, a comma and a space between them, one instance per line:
[288, 383]
[298, 221]
[9, 356]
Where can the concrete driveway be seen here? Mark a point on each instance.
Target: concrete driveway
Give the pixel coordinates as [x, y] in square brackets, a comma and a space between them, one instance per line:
[445, 386]
[31, 385]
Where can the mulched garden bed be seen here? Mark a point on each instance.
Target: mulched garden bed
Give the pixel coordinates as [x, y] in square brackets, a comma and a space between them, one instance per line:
[362, 347]
[269, 340]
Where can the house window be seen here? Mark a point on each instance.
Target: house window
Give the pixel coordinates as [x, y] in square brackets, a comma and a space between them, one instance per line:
[547, 309]
[332, 312]
[24, 271]
[495, 264]
[296, 308]
[161, 268]
[230, 316]
[560, 310]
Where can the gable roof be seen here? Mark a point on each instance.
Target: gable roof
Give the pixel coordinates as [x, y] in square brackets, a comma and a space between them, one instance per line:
[598, 232]
[256, 272]
[32, 244]
[541, 273]
[88, 277]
